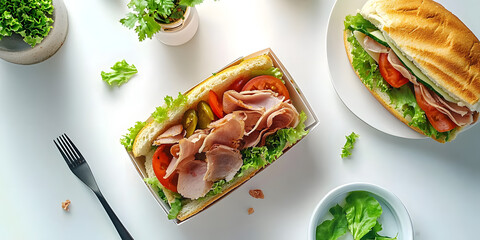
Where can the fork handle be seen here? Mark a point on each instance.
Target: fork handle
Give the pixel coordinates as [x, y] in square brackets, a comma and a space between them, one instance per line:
[122, 231]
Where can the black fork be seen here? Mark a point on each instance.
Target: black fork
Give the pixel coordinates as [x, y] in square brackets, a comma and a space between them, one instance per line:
[80, 168]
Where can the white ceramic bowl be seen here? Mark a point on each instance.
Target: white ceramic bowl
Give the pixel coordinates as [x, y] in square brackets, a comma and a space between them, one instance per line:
[394, 219]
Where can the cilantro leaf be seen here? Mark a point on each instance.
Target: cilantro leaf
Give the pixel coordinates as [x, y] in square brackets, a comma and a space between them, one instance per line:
[362, 212]
[161, 113]
[122, 72]
[335, 228]
[348, 147]
[30, 19]
[128, 139]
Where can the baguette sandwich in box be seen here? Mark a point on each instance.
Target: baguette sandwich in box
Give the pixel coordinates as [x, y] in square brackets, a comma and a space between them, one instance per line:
[203, 144]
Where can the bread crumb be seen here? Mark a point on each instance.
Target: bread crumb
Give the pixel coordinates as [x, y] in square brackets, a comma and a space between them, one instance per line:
[250, 211]
[256, 193]
[65, 205]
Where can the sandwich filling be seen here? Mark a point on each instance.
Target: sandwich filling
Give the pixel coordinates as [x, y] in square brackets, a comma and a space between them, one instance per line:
[381, 65]
[252, 127]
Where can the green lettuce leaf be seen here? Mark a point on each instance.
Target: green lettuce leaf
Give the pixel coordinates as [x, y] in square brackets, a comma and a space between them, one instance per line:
[258, 157]
[373, 234]
[358, 23]
[31, 19]
[157, 186]
[335, 228]
[348, 147]
[366, 67]
[128, 139]
[175, 208]
[403, 98]
[122, 72]
[362, 212]
[273, 71]
[161, 113]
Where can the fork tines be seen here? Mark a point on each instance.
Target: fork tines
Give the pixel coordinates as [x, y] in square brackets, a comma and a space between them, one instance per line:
[69, 151]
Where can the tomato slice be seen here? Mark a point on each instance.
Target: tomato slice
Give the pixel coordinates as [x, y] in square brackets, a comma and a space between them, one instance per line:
[238, 84]
[215, 104]
[267, 82]
[439, 121]
[160, 162]
[389, 73]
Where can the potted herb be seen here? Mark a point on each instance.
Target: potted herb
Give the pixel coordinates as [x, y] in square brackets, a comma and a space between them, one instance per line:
[174, 22]
[31, 31]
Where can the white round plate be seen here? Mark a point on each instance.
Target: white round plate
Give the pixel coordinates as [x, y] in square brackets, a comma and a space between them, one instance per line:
[346, 83]
[394, 219]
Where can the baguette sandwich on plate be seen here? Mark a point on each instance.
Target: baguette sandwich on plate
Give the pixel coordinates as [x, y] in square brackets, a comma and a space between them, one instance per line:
[208, 141]
[419, 61]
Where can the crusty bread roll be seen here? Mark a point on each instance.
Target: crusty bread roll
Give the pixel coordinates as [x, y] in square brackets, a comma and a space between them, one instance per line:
[435, 40]
[384, 99]
[218, 83]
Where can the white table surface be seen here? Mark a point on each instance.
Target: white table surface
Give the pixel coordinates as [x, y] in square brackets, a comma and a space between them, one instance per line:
[438, 183]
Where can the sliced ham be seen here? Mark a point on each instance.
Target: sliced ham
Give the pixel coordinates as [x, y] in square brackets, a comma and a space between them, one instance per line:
[190, 180]
[250, 100]
[170, 136]
[185, 150]
[372, 47]
[222, 163]
[460, 115]
[398, 65]
[286, 117]
[282, 116]
[228, 133]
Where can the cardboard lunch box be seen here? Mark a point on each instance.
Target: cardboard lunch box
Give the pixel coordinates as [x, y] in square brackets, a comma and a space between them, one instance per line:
[297, 98]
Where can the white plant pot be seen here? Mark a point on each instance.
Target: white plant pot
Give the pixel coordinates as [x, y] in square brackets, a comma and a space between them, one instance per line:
[181, 31]
[15, 50]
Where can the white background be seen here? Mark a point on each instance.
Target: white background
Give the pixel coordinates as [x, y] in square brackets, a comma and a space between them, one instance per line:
[438, 183]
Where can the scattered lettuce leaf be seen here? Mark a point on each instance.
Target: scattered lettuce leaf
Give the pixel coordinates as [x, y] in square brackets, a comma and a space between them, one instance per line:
[362, 212]
[348, 147]
[161, 113]
[334, 228]
[175, 208]
[31, 19]
[122, 72]
[128, 139]
[258, 157]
